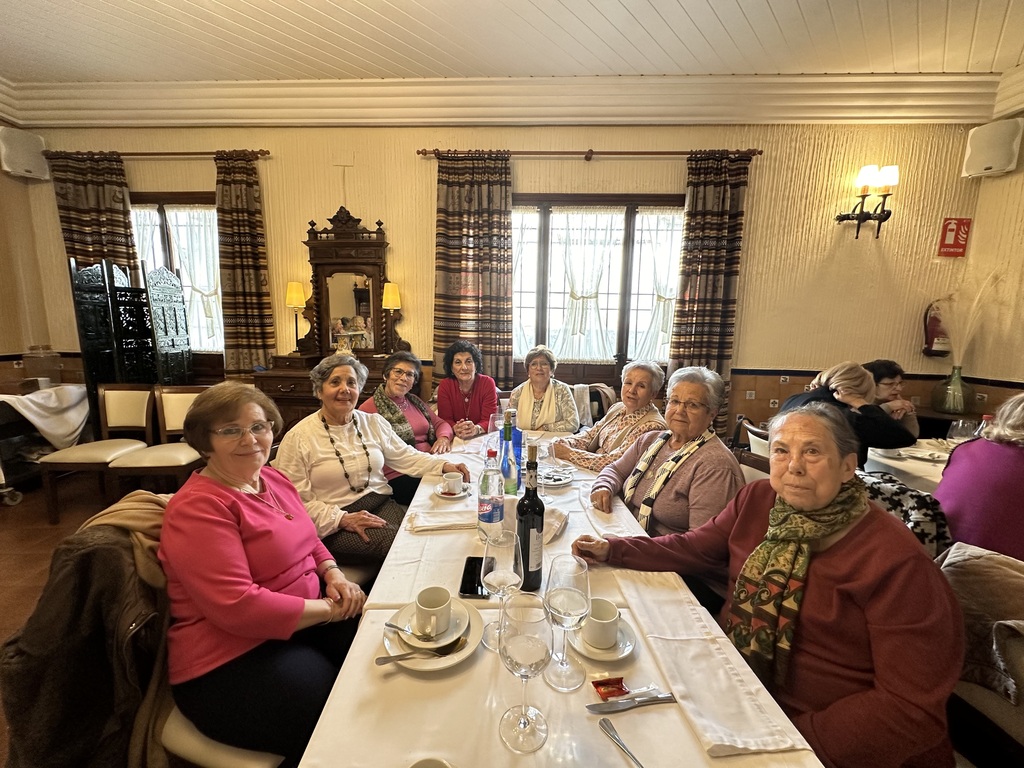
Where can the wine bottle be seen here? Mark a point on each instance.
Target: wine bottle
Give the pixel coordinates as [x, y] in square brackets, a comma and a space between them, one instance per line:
[530, 525]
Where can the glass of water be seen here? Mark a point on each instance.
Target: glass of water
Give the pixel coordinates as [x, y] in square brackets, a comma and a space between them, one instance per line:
[567, 599]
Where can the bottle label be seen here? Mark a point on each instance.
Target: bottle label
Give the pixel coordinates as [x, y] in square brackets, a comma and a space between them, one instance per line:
[491, 510]
[536, 550]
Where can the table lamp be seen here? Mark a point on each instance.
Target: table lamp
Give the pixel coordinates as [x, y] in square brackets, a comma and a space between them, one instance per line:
[296, 299]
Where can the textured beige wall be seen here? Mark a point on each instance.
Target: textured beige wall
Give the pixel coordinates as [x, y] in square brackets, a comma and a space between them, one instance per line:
[22, 299]
[810, 294]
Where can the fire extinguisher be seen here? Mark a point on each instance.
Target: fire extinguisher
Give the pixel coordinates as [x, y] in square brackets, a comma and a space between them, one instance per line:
[936, 340]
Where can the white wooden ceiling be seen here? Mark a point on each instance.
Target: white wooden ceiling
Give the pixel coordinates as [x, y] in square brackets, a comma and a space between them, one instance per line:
[80, 57]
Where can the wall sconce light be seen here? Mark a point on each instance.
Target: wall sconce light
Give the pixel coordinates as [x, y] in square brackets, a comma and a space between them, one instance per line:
[295, 298]
[872, 181]
[391, 300]
[392, 303]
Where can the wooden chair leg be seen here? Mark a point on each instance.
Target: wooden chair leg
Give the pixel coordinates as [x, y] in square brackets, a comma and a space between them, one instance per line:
[111, 487]
[50, 491]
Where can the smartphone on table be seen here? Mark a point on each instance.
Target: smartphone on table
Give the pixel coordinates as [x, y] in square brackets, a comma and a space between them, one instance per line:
[471, 586]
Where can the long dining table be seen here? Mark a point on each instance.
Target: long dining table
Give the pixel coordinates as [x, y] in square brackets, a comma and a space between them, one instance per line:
[394, 715]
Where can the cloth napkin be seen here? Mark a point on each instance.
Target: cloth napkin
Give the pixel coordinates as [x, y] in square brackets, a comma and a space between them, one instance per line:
[440, 514]
[554, 523]
[698, 663]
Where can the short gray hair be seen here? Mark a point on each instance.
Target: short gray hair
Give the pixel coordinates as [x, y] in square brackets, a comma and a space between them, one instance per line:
[839, 428]
[657, 374]
[711, 381]
[1008, 424]
[325, 367]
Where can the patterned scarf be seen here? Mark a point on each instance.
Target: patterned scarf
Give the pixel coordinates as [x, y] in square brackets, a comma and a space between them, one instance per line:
[665, 471]
[389, 409]
[770, 586]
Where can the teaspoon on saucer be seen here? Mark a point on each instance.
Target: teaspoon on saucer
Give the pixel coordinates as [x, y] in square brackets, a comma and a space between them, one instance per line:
[408, 631]
[445, 650]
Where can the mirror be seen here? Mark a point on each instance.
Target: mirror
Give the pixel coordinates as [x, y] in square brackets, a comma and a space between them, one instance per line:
[349, 268]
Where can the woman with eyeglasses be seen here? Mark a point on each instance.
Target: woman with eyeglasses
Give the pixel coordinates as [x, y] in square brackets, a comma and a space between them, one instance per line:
[543, 403]
[261, 614]
[676, 479]
[888, 376]
[410, 417]
[336, 458]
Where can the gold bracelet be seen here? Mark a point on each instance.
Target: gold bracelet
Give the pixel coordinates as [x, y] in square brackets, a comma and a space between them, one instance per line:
[330, 611]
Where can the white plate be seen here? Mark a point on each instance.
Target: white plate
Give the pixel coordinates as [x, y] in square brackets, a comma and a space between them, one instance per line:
[923, 454]
[406, 617]
[395, 644]
[626, 642]
[439, 491]
[554, 477]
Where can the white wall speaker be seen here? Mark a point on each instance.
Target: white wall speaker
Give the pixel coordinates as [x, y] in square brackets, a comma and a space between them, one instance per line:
[21, 154]
[992, 149]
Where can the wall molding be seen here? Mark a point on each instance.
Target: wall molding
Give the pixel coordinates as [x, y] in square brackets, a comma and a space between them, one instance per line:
[659, 100]
[1010, 94]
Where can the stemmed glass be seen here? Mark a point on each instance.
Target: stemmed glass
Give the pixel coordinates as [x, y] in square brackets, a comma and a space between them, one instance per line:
[525, 650]
[567, 599]
[501, 575]
[961, 430]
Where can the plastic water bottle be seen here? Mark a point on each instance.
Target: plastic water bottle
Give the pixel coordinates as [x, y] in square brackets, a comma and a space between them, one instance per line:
[508, 464]
[517, 447]
[491, 514]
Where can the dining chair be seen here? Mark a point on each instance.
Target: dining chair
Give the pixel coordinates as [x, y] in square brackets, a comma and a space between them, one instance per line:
[754, 465]
[171, 457]
[122, 408]
[183, 739]
[758, 439]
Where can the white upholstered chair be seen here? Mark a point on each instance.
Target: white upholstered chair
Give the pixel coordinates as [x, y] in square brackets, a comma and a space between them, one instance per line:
[182, 738]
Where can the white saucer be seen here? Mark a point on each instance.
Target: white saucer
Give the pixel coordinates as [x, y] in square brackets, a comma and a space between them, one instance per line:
[439, 491]
[406, 617]
[394, 643]
[554, 477]
[625, 643]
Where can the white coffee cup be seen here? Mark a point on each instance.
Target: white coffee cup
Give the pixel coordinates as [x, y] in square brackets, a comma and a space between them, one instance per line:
[432, 762]
[433, 610]
[453, 482]
[601, 629]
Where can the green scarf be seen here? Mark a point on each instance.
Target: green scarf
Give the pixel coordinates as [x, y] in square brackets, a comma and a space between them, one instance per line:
[389, 409]
[770, 586]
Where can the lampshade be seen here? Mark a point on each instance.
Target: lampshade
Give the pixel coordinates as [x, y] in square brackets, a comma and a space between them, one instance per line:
[391, 298]
[295, 296]
[889, 176]
[868, 177]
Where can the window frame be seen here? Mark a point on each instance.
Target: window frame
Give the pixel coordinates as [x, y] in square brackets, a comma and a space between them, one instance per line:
[630, 203]
[161, 199]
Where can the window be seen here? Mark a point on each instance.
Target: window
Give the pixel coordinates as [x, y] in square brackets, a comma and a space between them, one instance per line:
[179, 232]
[595, 276]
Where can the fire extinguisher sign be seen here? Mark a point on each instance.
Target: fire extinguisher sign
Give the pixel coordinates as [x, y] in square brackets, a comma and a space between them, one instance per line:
[953, 237]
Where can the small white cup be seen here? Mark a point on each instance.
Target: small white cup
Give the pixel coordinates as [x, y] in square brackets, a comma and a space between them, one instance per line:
[432, 762]
[433, 611]
[453, 482]
[601, 629]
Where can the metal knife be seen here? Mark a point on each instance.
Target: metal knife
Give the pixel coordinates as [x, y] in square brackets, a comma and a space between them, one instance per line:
[607, 707]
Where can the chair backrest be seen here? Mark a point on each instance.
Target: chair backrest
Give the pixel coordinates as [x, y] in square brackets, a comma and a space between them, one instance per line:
[758, 439]
[172, 403]
[754, 466]
[125, 407]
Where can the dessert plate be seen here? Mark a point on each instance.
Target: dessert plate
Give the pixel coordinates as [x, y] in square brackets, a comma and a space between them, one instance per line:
[394, 643]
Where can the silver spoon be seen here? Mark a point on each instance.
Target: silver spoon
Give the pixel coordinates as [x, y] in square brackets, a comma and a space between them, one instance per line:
[422, 637]
[444, 650]
[609, 729]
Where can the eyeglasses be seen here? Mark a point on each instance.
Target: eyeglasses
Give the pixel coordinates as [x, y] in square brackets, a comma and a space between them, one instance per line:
[691, 406]
[235, 432]
[891, 384]
[540, 364]
[401, 373]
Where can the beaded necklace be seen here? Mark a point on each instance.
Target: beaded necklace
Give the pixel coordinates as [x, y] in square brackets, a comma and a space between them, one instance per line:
[355, 423]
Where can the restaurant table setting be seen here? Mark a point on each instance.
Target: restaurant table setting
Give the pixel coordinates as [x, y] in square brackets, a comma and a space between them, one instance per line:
[683, 694]
[919, 466]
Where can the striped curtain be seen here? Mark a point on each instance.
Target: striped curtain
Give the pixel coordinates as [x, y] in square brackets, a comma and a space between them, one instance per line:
[95, 209]
[705, 316]
[473, 260]
[249, 339]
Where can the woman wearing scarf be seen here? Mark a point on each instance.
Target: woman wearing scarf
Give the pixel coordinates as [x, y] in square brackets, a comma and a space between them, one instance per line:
[833, 602]
[412, 420]
[541, 402]
[676, 479]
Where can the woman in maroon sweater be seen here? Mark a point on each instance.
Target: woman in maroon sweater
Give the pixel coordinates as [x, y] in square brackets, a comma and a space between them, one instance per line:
[834, 604]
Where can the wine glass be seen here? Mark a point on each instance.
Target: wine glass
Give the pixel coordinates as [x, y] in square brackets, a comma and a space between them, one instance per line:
[567, 599]
[525, 650]
[501, 575]
[961, 430]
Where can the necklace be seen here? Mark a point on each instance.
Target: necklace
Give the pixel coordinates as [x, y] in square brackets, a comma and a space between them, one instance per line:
[467, 396]
[402, 404]
[249, 490]
[355, 423]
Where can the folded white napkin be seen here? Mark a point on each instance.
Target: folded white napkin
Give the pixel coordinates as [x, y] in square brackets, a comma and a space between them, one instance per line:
[699, 664]
[554, 523]
[452, 516]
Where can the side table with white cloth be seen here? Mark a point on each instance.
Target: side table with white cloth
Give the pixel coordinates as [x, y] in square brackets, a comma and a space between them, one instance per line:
[393, 716]
[920, 466]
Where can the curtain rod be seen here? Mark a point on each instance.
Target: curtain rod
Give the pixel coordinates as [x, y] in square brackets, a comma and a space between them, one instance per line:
[197, 153]
[592, 153]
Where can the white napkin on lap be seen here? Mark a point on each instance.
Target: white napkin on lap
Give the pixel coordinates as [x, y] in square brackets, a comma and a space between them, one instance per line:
[699, 663]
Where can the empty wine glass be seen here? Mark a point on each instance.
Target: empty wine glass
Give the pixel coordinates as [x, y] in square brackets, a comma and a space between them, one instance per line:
[961, 430]
[501, 575]
[567, 599]
[525, 650]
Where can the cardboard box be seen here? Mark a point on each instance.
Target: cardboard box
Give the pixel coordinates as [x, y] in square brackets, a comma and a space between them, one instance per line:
[48, 366]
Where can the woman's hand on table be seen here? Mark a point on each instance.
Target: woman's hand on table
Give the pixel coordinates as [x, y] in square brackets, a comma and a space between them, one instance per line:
[591, 549]
[441, 445]
[898, 408]
[601, 500]
[449, 467]
[560, 450]
[358, 522]
[466, 429]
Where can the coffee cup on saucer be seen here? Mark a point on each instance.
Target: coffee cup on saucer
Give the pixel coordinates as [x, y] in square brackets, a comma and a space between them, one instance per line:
[452, 483]
[601, 629]
[433, 611]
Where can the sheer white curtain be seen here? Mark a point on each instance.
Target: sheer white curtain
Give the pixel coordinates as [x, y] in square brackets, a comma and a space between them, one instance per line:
[148, 243]
[657, 248]
[584, 246]
[193, 230]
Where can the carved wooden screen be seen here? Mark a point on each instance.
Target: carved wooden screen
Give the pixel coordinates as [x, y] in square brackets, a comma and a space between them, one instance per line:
[133, 331]
[95, 331]
[170, 327]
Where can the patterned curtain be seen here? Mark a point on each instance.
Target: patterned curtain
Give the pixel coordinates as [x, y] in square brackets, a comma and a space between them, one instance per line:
[249, 339]
[95, 209]
[705, 317]
[473, 262]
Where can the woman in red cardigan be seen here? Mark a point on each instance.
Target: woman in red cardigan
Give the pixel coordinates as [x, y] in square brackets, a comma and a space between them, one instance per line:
[466, 398]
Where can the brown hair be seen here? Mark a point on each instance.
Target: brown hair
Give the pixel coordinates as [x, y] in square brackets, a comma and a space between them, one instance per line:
[222, 401]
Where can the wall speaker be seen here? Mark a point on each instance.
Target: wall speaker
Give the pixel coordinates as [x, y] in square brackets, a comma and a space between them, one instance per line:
[992, 149]
[21, 154]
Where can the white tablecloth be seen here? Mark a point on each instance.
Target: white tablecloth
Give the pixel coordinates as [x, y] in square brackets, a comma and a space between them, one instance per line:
[390, 716]
[922, 474]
